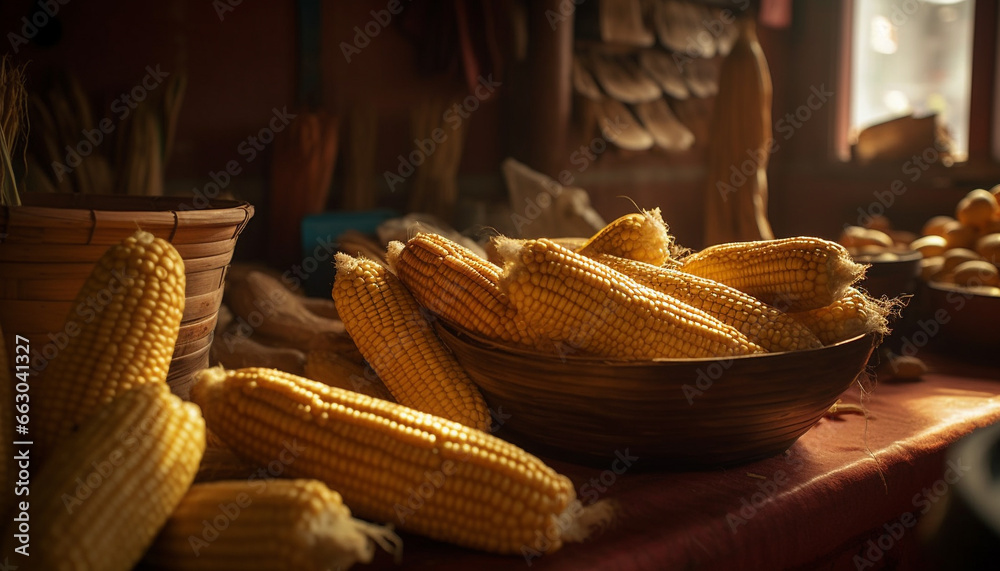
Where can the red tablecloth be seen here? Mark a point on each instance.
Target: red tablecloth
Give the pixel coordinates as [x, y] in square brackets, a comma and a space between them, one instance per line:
[845, 482]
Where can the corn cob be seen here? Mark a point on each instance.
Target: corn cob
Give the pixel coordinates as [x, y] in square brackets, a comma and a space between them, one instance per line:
[394, 464]
[791, 274]
[274, 525]
[128, 314]
[771, 329]
[669, 263]
[456, 284]
[109, 488]
[333, 369]
[8, 470]
[592, 308]
[854, 314]
[569, 243]
[397, 341]
[640, 236]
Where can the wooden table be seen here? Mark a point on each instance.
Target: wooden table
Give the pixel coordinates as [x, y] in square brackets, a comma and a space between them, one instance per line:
[848, 495]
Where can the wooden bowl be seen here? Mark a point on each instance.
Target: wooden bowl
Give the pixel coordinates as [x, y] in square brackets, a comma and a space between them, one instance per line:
[958, 318]
[681, 413]
[891, 277]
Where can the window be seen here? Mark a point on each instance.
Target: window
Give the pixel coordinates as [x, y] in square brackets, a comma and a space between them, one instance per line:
[912, 57]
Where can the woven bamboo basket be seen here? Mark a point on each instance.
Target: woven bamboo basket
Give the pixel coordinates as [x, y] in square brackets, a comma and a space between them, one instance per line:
[50, 243]
[678, 413]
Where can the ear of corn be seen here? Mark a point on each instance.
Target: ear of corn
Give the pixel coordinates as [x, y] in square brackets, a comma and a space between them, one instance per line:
[669, 263]
[110, 487]
[590, 307]
[128, 314]
[771, 329]
[394, 464]
[273, 525]
[453, 282]
[396, 339]
[641, 236]
[8, 470]
[791, 274]
[334, 369]
[854, 314]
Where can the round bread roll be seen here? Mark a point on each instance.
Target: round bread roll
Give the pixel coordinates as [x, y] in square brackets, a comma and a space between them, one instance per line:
[977, 273]
[930, 267]
[956, 256]
[879, 222]
[978, 208]
[959, 235]
[858, 236]
[936, 225]
[902, 237]
[866, 252]
[989, 248]
[930, 245]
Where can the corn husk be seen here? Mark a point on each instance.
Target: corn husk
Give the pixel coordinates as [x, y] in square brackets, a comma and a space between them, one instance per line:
[735, 209]
[435, 185]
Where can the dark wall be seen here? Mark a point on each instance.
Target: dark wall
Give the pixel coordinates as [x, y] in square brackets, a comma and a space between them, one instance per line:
[242, 64]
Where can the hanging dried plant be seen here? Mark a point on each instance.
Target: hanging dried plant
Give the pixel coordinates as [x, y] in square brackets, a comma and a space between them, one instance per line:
[13, 126]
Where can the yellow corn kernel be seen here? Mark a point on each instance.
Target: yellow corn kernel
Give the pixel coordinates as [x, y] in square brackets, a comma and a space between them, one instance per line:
[588, 306]
[854, 314]
[791, 274]
[272, 525]
[771, 329]
[128, 314]
[670, 263]
[394, 464]
[453, 282]
[336, 370]
[396, 339]
[109, 487]
[640, 236]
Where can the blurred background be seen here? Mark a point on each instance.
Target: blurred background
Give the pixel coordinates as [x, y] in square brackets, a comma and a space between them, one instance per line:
[385, 74]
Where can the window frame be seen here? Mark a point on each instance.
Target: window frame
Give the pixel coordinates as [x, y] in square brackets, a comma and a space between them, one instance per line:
[982, 134]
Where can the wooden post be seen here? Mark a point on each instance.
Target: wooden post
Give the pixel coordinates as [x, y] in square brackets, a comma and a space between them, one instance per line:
[550, 59]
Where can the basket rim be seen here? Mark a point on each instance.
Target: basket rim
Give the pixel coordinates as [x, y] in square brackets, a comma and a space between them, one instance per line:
[954, 288]
[456, 333]
[170, 215]
[904, 257]
[121, 203]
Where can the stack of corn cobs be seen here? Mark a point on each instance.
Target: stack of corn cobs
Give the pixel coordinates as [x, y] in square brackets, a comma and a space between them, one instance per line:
[624, 294]
[119, 453]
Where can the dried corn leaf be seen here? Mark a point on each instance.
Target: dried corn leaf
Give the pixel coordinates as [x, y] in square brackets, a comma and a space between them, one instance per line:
[621, 23]
[671, 25]
[619, 126]
[667, 131]
[583, 79]
[702, 78]
[623, 80]
[666, 71]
